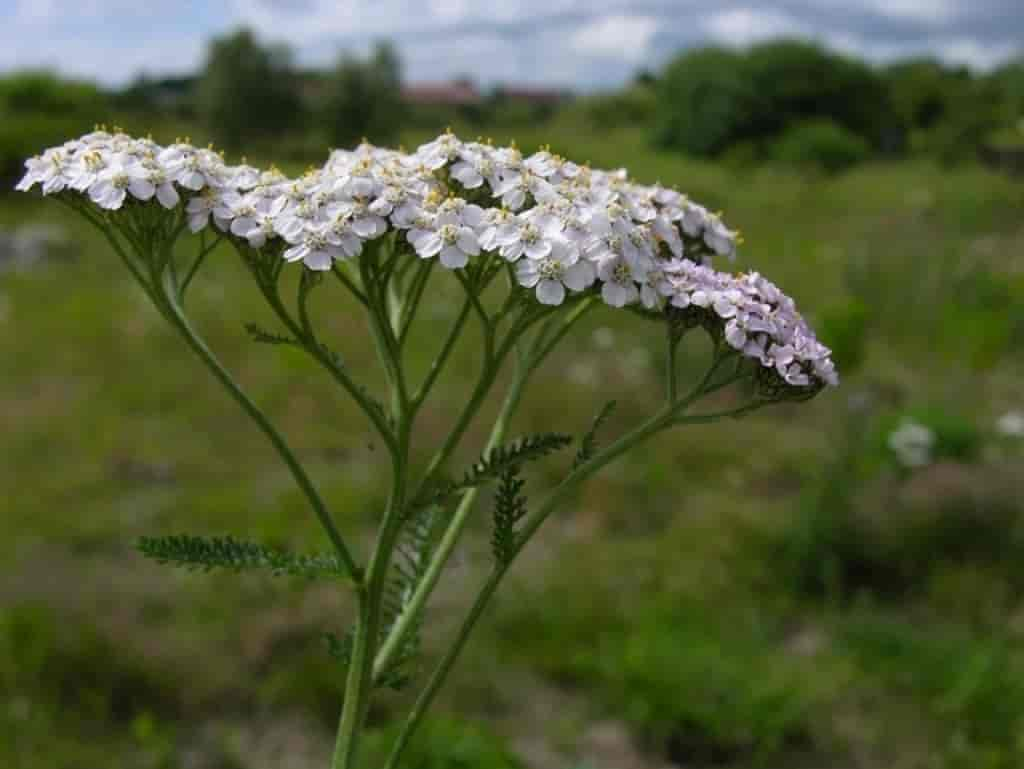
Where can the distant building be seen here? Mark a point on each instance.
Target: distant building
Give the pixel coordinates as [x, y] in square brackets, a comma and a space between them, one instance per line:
[457, 93]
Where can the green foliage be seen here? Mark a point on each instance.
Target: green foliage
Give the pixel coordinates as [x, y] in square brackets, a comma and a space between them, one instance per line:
[820, 144]
[247, 91]
[363, 98]
[82, 673]
[974, 686]
[957, 437]
[208, 553]
[636, 105]
[509, 509]
[413, 552]
[261, 335]
[444, 743]
[698, 687]
[491, 465]
[39, 93]
[844, 328]
[712, 99]
[39, 110]
[706, 101]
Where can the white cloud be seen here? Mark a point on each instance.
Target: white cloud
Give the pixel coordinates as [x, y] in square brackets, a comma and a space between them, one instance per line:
[931, 12]
[976, 54]
[744, 26]
[616, 36]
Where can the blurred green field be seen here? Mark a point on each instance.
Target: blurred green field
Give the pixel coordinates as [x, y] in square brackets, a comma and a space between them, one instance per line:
[774, 592]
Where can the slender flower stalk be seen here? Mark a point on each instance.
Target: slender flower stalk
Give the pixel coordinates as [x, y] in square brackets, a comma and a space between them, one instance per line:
[562, 238]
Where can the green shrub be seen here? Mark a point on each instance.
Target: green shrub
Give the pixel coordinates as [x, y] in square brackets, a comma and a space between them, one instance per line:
[636, 105]
[971, 687]
[843, 327]
[711, 99]
[445, 743]
[706, 101]
[820, 144]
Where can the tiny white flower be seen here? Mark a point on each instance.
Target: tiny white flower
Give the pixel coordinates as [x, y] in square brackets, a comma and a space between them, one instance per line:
[552, 274]
[1011, 424]
[912, 444]
[454, 243]
[619, 287]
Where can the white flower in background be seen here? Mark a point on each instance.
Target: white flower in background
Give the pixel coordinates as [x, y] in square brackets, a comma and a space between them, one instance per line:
[1011, 424]
[912, 443]
[561, 268]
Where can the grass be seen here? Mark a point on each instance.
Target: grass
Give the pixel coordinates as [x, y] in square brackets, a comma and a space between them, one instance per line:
[767, 593]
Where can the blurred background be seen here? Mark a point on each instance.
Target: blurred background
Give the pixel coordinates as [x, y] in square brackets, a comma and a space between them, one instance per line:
[837, 584]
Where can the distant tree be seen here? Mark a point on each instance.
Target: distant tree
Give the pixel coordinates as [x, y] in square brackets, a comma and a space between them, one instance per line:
[1009, 81]
[795, 81]
[364, 98]
[247, 90]
[705, 101]
[949, 111]
[711, 99]
[38, 92]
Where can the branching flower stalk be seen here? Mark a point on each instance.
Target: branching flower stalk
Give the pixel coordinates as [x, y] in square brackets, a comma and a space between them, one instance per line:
[563, 240]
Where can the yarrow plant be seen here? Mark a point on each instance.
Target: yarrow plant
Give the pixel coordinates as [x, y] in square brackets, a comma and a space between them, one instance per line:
[561, 239]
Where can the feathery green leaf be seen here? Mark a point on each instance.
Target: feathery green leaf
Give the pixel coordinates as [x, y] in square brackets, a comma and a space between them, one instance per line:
[208, 553]
[509, 509]
[494, 463]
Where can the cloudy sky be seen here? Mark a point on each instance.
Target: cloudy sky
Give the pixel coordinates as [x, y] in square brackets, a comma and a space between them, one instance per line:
[581, 43]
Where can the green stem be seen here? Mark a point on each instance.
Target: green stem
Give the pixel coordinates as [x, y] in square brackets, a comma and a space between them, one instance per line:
[426, 697]
[442, 357]
[410, 614]
[425, 587]
[180, 322]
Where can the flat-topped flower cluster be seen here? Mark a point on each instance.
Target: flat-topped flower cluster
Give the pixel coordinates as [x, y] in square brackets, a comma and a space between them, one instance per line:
[565, 227]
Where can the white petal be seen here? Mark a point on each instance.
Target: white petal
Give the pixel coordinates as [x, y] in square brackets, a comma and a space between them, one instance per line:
[142, 189]
[167, 195]
[579, 276]
[453, 258]
[296, 253]
[468, 242]
[318, 260]
[615, 294]
[430, 245]
[550, 292]
[527, 273]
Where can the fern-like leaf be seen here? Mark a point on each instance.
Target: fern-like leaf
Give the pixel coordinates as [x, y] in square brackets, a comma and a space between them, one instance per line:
[509, 509]
[208, 553]
[261, 335]
[588, 445]
[412, 556]
[494, 463]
